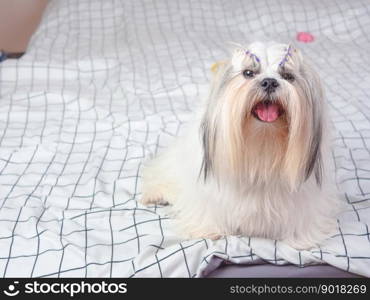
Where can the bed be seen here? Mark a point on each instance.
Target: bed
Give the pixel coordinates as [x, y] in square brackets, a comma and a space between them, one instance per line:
[105, 85]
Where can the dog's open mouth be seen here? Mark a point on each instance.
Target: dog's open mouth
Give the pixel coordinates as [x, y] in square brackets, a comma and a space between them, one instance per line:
[267, 111]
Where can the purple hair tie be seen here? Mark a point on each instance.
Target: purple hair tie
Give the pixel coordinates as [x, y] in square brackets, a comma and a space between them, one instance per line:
[288, 53]
[252, 55]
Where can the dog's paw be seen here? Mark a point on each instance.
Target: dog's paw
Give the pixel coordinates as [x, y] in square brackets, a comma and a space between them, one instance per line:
[153, 198]
[161, 194]
[213, 236]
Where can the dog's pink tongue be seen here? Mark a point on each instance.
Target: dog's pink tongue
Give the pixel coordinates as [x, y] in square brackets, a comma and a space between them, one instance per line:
[267, 112]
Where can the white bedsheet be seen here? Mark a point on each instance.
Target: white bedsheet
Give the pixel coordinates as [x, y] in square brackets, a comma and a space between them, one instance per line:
[106, 84]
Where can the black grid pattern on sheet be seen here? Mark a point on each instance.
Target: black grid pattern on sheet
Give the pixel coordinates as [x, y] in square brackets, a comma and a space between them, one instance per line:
[105, 85]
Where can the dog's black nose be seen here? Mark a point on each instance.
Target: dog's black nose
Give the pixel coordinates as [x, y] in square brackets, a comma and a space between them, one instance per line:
[269, 84]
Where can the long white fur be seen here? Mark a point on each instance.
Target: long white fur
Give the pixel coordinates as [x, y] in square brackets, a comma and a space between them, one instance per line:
[257, 182]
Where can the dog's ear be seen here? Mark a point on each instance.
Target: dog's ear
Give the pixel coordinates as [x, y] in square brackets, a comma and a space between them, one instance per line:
[315, 94]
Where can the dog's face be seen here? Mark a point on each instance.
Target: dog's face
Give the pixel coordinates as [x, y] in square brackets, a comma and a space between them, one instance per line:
[264, 117]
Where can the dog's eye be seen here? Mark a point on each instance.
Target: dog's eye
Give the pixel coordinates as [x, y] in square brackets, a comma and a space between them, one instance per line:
[248, 73]
[288, 76]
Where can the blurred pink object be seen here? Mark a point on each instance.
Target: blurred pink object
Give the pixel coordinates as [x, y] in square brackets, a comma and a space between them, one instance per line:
[305, 37]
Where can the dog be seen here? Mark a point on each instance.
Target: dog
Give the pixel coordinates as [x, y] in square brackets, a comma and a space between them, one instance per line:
[256, 159]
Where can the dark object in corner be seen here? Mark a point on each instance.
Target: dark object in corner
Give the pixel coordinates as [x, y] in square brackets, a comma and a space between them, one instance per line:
[13, 55]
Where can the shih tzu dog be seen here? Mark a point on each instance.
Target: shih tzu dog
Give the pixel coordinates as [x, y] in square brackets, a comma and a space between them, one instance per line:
[255, 160]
